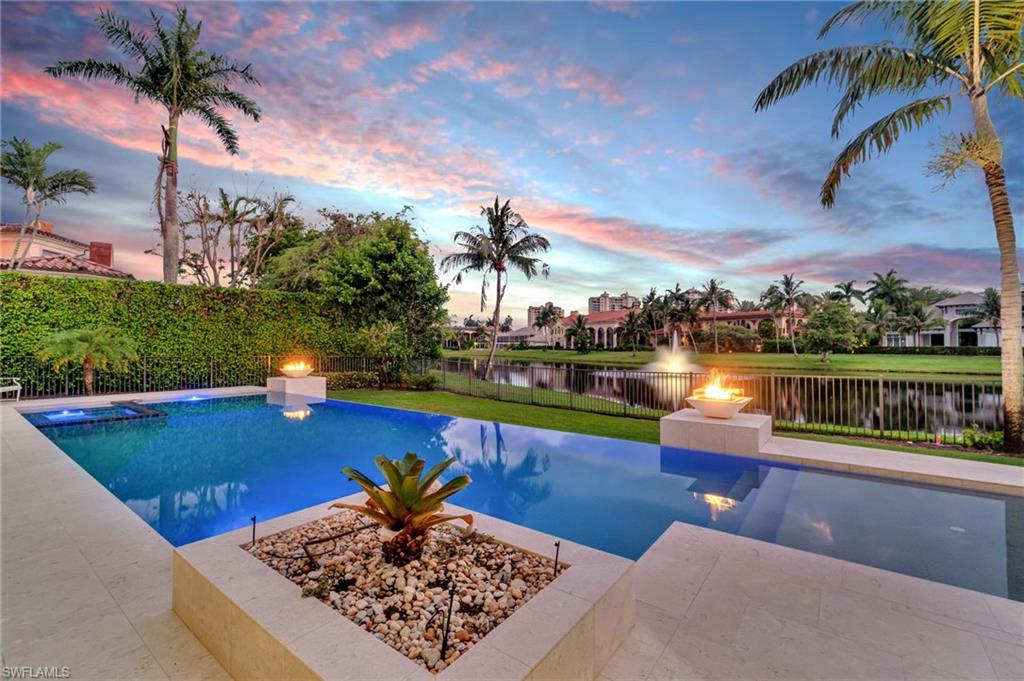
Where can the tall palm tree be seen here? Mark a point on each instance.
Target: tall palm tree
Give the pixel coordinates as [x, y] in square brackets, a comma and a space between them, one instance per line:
[186, 80]
[773, 301]
[964, 49]
[715, 297]
[578, 331]
[506, 243]
[24, 166]
[793, 296]
[633, 326]
[96, 348]
[890, 289]
[879, 318]
[991, 309]
[848, 291]
[747, 306]
[545, 319]
[918, 319]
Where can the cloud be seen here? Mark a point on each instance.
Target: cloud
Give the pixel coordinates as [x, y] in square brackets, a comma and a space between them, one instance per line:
[624, 7]
[589, 82]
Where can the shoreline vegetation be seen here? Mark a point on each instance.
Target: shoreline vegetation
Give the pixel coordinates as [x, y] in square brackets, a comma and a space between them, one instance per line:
[620, 427]
[956, 366]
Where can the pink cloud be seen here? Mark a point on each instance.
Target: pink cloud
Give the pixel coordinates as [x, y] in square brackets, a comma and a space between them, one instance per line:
[588, 81]
[623, 7]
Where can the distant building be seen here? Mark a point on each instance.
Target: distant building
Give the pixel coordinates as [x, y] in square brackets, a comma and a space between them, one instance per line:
[963, 326]
[59, 255]
[608, 303]
[603, 325]
[534, 310]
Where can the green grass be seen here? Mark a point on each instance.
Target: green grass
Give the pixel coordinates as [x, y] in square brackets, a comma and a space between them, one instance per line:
[755, 362]
[640, 430]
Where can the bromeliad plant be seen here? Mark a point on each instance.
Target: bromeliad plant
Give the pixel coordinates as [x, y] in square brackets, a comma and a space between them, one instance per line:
[409, 506]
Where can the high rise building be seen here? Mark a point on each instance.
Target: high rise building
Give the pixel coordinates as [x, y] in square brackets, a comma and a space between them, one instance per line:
[607, 303]
[534, 310]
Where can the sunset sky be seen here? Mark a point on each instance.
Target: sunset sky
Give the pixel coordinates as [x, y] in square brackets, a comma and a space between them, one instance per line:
[624, 132]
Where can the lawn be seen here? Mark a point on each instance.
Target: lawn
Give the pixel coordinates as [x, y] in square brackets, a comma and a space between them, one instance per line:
[756, 362]
[641, 430]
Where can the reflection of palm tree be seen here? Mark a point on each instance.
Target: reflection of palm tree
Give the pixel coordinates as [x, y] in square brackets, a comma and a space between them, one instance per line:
[500, 489]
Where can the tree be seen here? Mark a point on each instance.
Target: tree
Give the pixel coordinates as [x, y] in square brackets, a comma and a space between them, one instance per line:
[633, 326]
[580, 335]
[714, 298]
[93, 348]
[991, 309]
[186, 80]
[505, 243]
[833, 328]
[24, 166]
[685, 313]
[889, 289]
[879, 318]
[956, 48]
[792, 296]
[917, 319]
[773, 301]
[546, 318]
[848, 292]
[506, 324]
[747, 306]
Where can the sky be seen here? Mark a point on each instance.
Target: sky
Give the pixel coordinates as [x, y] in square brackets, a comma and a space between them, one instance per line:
[623, 132]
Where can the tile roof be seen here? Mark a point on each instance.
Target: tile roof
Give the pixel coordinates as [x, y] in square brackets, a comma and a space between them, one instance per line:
[41, 234]
[67, 264]
[600, 317]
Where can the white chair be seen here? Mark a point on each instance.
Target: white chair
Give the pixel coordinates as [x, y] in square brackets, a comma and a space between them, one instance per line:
[6, 390]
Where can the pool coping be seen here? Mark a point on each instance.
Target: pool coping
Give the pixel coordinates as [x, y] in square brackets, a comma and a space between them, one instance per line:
[256, 623]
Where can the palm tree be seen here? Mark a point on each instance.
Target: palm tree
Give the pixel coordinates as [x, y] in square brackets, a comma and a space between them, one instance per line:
[793, 296]
[633, 326]
[991, 309]
[714, 298]
[174, 72]
[747, 306]
[685, 313]
[578, 332]
[96, 348]
[879, 318]
[545, 319]
[890, 289]
[956, 48]
[846, 290]
[773, 301]
[506, 243]
[917, 319]
[24, 166]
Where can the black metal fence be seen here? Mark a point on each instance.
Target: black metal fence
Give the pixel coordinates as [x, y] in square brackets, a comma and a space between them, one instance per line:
[893, 408]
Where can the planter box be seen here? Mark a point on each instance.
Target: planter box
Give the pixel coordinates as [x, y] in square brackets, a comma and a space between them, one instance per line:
[257, 625]
[742, 435]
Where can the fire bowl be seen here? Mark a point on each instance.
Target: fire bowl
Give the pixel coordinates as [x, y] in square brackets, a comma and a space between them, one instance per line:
[296, 372]
[718, 409]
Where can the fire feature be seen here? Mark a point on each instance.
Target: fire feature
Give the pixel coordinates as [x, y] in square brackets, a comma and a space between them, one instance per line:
[296, 369]
[716, 401]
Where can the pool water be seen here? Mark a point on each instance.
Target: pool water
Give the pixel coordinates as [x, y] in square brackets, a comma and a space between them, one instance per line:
[212, 464]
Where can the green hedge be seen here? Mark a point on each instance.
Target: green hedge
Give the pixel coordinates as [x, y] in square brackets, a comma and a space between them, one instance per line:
[928, 350]
[189, 323]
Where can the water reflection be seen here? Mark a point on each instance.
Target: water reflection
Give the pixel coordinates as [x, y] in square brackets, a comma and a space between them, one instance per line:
[214, 463]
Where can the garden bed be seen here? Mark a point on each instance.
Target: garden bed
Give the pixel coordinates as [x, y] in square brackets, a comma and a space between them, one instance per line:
[406, 607]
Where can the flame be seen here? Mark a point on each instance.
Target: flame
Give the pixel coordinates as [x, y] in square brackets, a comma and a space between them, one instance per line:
[296, 365]
[717, 504]
[714, 390]
[296, 413]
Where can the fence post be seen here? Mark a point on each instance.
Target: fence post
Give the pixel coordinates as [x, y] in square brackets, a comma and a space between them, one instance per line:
[145, 372]
[471, 370]
[771, 377]
[881, 410]
[210, 384]
[531, 379]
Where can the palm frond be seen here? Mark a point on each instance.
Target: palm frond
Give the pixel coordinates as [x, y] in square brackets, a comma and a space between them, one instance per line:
[878, 138]
[118, 32]
[214, 119]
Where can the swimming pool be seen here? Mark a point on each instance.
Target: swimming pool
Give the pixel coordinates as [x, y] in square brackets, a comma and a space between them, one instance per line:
[211, 464]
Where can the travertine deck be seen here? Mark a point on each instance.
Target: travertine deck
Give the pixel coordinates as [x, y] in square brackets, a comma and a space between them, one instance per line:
[716, 606]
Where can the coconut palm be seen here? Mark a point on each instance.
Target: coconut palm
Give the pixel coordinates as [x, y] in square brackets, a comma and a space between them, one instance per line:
[685, 314]
[505, 244]
[879, 318]
[92, 348]
[546, 318]
[633, 326]
[890, 289]
[24, 166]
[991, 309]
[793, 297]
[918, 319]
[964, 49]
[773, 301]
[715, 297]
[579, 333]
[747, 306]
[186, 80]
[847, 291]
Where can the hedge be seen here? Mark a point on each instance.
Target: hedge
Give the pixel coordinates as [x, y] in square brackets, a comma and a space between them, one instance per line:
[189, 323]
[928, 350]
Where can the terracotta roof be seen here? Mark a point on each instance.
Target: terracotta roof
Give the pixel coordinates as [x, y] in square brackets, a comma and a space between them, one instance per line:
[67, 264]
[11, 228]
[600, 317]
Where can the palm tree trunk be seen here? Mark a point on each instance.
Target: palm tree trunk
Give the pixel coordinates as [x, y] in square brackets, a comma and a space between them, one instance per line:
[32, 234]
[170, 226]
[1013, 382]
[88, 365]
[494, 331]
[714, 324]
[775, 322]
[29, 200]
[792, 330]
[689, 332]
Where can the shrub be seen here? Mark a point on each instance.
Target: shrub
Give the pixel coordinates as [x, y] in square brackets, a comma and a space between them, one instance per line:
[928, 350]
[419, 381]
[976, 438]
[350, 380]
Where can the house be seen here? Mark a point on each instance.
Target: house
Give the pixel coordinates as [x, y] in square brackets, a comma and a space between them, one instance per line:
[963, 326]
[58, 255]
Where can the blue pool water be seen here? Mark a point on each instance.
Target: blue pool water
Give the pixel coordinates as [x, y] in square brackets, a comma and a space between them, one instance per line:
[211, 464]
